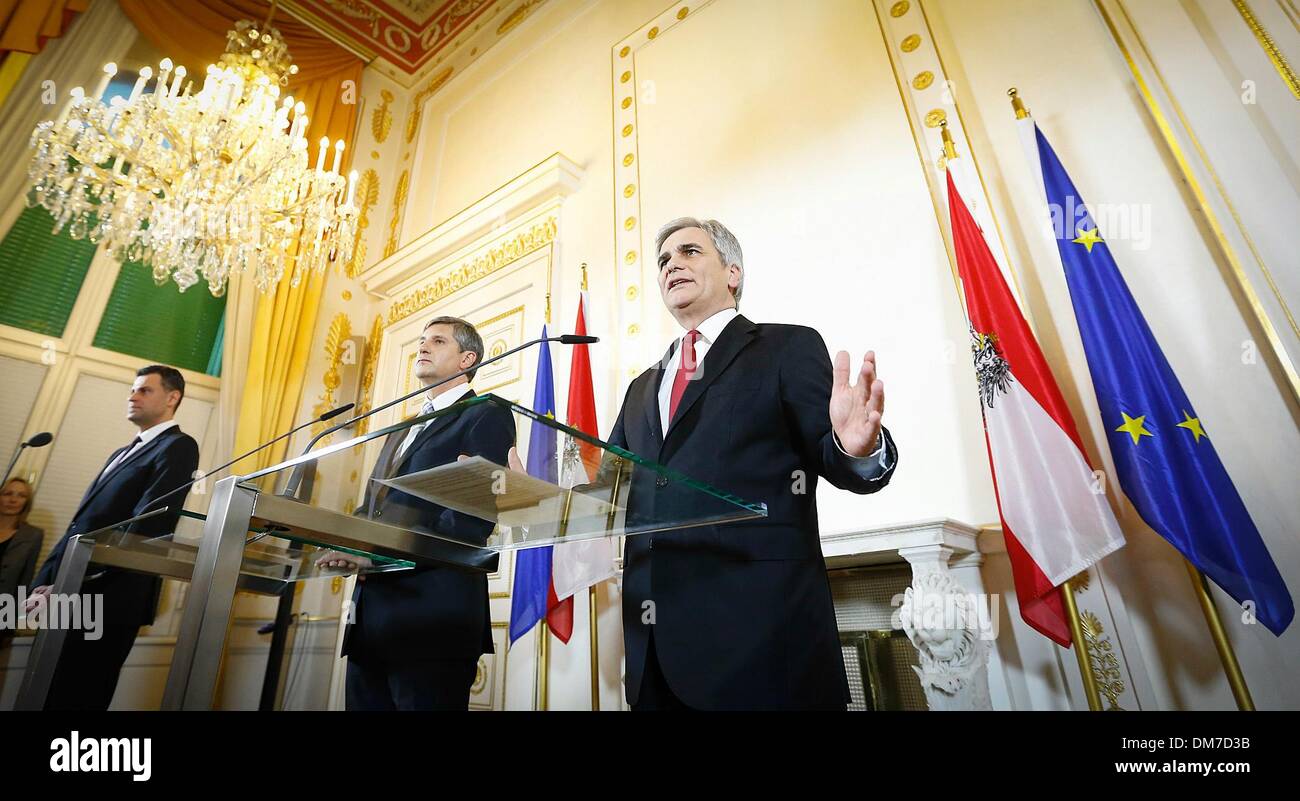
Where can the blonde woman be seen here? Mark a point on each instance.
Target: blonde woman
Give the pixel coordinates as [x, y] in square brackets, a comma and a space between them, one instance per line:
[20, 543]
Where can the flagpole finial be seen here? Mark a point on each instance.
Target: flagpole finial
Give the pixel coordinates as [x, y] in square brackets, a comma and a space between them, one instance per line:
[949, 147]
[584, 276]
[1017, 104]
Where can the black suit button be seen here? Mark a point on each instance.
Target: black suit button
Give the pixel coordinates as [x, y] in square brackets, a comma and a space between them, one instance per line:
[661, 481]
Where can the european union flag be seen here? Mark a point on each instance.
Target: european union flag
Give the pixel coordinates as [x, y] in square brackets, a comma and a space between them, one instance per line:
[1163, 453]
[529, 598]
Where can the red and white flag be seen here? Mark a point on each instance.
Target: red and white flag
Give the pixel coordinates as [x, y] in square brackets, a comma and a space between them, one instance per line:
[1055, 518]
[579, 565]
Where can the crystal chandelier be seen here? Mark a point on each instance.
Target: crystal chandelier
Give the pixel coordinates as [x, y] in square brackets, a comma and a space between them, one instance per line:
[205, 183]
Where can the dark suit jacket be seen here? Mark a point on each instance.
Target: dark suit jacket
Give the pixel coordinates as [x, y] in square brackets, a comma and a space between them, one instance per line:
[437, 612]
[165, 463]
[19, 562]
[742, 611]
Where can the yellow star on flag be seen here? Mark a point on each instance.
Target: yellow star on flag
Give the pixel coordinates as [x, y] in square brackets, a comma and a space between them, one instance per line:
[1134, 428]
[1087, 238]
[1193, 424]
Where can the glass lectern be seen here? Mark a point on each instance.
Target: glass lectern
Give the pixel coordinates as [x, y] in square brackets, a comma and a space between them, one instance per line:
[257, 539]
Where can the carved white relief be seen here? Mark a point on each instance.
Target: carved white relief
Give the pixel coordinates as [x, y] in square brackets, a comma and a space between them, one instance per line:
[941, 620]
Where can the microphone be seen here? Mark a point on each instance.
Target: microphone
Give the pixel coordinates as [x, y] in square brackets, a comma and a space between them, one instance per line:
[330, 415]
[38, 441]
[293, 488]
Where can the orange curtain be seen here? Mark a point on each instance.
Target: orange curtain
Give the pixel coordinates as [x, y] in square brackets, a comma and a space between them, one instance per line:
[26, 24]
[193, 33]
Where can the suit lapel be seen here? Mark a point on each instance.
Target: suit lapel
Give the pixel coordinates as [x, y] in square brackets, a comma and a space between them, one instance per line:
[431, 429]
[650, 399]
[102, 479]
[733, 339]
[383, 469]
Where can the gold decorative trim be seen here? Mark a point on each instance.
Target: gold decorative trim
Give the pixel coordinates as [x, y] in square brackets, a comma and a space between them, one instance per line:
[975, 162]
[340, 329]
[923, 80]
[910, 43]
[1080, 582]
[1105, 664]
[498, 346]
[381, 119]
[395, 219]
[628, 218]
[1225, 248]
[418, 100]
[935, 118]
[900, 8]
[517, 16]
[1270, 47]
[369, 366]
[509, 251]
[367, 197]
[919, 142]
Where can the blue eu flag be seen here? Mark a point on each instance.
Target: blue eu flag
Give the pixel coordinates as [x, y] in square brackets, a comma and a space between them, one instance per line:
[1163, 452]
[529, 600]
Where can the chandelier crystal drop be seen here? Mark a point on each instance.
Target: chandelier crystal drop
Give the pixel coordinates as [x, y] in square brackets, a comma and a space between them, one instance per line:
[205, 184]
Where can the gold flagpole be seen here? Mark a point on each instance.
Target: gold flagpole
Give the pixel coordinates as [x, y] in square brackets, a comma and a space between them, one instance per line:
[1081, 653]
[594, 636]
[1240, 692]
[543, 664]
[593, 630]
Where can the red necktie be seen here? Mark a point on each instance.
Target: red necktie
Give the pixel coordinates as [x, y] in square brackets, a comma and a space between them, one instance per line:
[685, 371]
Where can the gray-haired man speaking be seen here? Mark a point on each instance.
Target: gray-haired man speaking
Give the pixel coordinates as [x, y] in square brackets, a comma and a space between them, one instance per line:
[739, 616]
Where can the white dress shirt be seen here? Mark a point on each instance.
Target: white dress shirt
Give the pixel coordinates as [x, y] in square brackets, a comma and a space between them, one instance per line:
[145, 437]
[870, 467]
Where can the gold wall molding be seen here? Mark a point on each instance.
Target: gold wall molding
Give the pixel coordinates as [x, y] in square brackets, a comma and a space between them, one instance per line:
[368, 367]
[1272, 338]
[367, 197]
[517, 16]
[416, 111]
[395, 219]
[632, 271]
[1270, 47]
[505, 253]
[339, 331]
[381, 119]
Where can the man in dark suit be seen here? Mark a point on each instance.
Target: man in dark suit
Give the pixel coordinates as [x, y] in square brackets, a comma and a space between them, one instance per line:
[418, 635]
[739, 616]
[159, 460]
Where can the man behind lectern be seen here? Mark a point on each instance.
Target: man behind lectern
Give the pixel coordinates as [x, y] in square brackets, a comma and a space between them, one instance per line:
[418, 634]
[739, 616]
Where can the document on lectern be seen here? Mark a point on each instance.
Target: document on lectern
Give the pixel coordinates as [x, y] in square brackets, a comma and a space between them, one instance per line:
[489, 491]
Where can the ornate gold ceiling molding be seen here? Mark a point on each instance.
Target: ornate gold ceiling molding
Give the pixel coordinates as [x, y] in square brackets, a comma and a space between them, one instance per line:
[502, 255]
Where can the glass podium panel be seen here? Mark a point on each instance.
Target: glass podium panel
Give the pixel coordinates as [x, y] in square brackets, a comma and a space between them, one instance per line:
[568, 486]
[267, 564]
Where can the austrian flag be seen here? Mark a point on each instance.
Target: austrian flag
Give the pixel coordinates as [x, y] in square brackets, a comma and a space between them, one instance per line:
[1055, 518]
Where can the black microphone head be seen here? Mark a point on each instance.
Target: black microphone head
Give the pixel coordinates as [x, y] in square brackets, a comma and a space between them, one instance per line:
[577, 339]
[40, 440]
[332, 413]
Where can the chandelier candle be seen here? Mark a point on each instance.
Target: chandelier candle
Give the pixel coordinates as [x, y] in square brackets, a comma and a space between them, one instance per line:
[199, 186]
